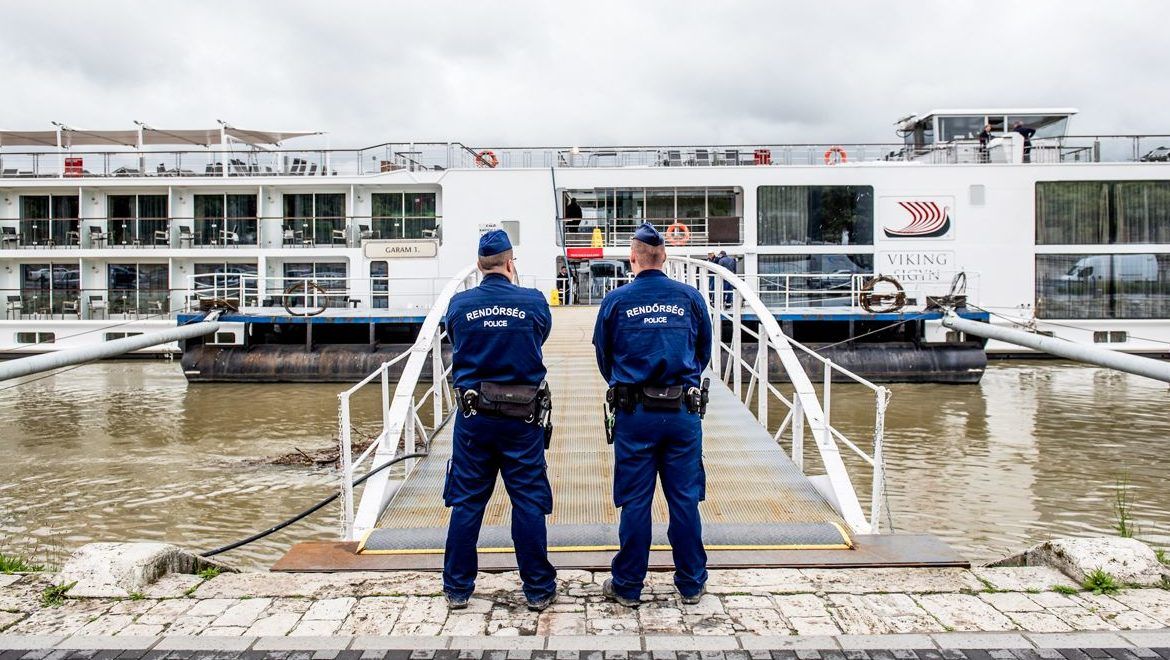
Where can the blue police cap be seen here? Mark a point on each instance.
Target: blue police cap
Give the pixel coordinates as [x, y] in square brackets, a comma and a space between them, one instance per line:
[494, 242]
[648, 234]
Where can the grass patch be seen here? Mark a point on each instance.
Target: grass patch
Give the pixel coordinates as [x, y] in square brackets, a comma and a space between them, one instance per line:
[137, 595]
[1160, 553]
[54, 595]
[988, 587]
[18, 564]
[208, 573]
[1100, 582]
[1065, 589]
[1123, 507]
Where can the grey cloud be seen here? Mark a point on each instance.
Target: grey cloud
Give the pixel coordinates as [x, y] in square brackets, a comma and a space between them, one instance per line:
[530, 72]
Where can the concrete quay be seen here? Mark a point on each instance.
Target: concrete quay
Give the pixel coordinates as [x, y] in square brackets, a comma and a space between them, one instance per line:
[746, 610]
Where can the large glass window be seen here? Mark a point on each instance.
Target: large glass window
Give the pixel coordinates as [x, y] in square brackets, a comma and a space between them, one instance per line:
[139, 288]
[50, 288]
[138, 220]
[958, 128]
[330, 276]
[1102, 286]
[1102, 212]
[314, 218]
[226, 280]
[810, 280]
[712, 215]
[815, 215]
[225, 220]
[380, 284]
[401, 215]
[47, 220]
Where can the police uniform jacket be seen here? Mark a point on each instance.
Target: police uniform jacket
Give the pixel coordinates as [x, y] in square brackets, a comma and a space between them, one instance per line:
[653, 331]
[496, 332]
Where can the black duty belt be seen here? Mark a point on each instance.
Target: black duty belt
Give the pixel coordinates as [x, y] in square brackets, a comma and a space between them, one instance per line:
[531, 403]
[661, 398]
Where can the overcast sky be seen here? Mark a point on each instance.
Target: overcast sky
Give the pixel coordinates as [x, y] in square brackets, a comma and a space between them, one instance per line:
[599, 72]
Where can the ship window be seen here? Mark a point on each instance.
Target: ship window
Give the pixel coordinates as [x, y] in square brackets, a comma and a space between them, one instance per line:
[46, 288]
[1102, 212]
[815, 215]
[36, 337]
[1045, 125]
[111, 336]
[810, 280]
[134, 219]
[959, 128]
[711, 214]
[315, 218]
[330, 276]
[403, 215]
[49, 220]
[141, 289]
[225, 219]
[380, 284]
[226, 280]
[1102, 286]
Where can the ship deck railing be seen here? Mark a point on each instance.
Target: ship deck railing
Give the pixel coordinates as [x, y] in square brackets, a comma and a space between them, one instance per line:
[168, 165]
[181, 232]
[415, 413]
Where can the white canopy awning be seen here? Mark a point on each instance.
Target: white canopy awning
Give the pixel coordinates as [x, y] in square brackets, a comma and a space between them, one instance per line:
[150, 136]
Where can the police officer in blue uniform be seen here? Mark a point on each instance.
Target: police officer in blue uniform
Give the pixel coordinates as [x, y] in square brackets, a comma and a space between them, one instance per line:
[496, 331]
[653, 340]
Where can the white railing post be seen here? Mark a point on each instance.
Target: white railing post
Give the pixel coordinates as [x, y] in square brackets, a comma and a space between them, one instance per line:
[410, 438]
[385, 398]
[437, 379]
[827, 432]
[879, 469]
[716, 329]
[797, 432]
[343, 432]
[736, 344]
[762, 379]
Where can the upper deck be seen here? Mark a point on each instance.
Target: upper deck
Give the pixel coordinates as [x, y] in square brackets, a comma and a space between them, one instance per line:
[935, 138]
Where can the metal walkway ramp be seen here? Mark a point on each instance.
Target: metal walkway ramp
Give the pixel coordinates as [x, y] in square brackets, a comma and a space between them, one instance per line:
[763, 508]
[756, 497]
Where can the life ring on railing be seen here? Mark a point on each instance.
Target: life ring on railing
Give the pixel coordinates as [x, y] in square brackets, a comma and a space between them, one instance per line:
[834, 155]
[678, 234]
[486, 158]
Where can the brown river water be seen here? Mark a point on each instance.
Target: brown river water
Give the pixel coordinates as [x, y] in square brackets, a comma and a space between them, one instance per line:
[130, 451]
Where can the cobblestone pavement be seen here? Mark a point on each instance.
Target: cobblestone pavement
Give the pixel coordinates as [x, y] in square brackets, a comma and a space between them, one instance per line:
[743, 603]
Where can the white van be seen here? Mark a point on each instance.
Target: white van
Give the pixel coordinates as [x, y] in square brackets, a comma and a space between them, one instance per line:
[1118, 267]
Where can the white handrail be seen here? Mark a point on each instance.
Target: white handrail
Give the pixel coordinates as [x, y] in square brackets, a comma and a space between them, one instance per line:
[715, 282]
[400, 414]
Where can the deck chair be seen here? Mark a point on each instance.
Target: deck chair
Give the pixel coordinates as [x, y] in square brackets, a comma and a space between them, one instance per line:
[97, 235]
[97, 304]
[186, 235]
[339, 235]
[227, 236]
[674, 158]
[9, 235]
[364, 232]
[702, 157]
[71, 307]
[14, 307]
[162, 237]
[73, 237]
[313, 169]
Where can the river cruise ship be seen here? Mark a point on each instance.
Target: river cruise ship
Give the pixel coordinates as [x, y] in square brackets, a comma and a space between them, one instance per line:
[325, 254]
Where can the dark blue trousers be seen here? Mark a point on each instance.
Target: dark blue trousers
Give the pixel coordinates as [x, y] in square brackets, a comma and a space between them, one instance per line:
[484, 447]
[649, 445]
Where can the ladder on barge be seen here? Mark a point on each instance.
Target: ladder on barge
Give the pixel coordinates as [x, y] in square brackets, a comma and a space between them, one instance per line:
[778, 492]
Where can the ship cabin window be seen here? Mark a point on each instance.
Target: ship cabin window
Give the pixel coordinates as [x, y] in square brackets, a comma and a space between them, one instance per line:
[380, 284]
[314, 218]
[138, 220]
[815, 215]
[48, 220]
[712, 215]
[50, 288]
[1102, 212]
[139, 289]
[402, 215]
[226, 281]
[225, 220]
[111, 336]
[810, 280]
[36, 337]
[960, 128]
[1102, 286]
[330, 276]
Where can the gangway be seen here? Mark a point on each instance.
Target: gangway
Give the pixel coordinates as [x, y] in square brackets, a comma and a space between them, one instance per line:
[763, 507]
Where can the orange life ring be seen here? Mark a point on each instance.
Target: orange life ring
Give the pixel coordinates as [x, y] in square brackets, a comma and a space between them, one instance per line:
[486, 158]
[834, 155]
[678, 234]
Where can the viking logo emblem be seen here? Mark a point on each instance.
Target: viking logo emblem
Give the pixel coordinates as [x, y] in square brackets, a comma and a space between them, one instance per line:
[927, 220]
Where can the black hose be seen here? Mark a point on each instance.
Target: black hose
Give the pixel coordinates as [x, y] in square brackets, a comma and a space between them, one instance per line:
[307, 512]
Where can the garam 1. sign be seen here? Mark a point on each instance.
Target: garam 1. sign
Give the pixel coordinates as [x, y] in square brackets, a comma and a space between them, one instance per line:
[402, 249]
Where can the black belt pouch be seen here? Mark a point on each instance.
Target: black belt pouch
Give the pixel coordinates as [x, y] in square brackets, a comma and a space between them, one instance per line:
[662, 398]
[508, 400]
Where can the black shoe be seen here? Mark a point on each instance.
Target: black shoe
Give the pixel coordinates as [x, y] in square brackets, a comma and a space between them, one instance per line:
[456, 602]
[608, 591]
[694, 600]
[542, 604]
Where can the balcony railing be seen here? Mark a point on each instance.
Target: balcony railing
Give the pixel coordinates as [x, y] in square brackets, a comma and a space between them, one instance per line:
[392, 157]
[616, 232]
[42, 233]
